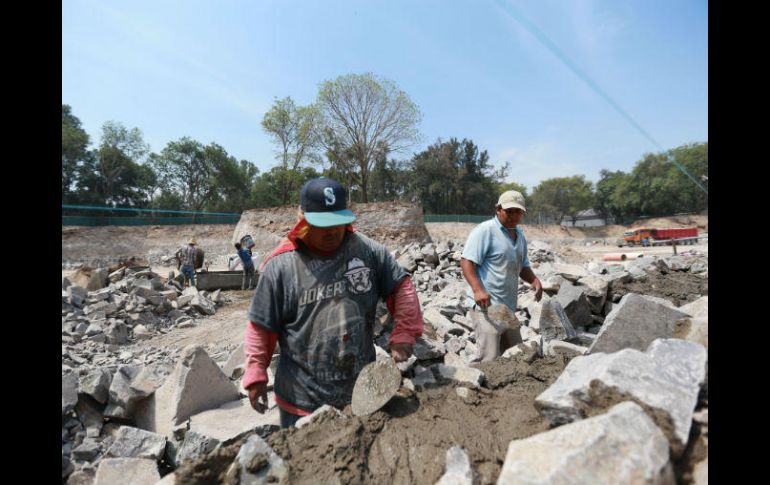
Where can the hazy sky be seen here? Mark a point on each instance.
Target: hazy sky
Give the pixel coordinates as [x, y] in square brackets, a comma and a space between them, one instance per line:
[210, 70]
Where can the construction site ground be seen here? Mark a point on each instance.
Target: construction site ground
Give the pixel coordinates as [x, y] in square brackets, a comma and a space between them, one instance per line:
[406, 441]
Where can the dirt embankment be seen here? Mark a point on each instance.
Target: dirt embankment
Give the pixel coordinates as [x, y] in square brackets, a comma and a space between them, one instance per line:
[406, 442]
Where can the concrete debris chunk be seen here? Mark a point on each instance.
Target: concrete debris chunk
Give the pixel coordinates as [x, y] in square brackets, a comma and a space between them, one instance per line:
[575, 303]
[137, 443]
[565, 349]
[233, 419]
[97, 384]
[197, 384]
[258, 463]
[458, 468]
[665, 381]
[464, 375]
[87, 450]
[697, 308]
[305, 420]
[193, 446]
[634, 323]
[203, 305]
[77, 295]
[69, 392]
[426, 349]
[621, 446]
[595, 289]
[127, 471]
[89, 413]
[423, 379]
[527, 351]
[237, 359]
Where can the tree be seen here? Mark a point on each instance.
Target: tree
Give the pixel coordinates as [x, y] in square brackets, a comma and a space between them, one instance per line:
[115, 174]
[182, 167]
[295, 130]
[364, 116]
[563, 196]
[266, 191]
[74, 152]
[454, 177]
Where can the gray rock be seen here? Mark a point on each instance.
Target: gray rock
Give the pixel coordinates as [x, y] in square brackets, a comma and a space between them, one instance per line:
[69, 392]
[458, 468]
[99, 279]
[596, 292]
[65, 283]
[426, 349]
[553, 323]
[97, 384]
[571, 272]
[193, 446]
[203, 305]
[234, 419]
[634, 323]
[89, 412]
[150, 378]
[527, 351]
[665, 381]
[123, 398]
[455, 345]
[196, 384]
[566, 349]
[77, 295]
[575, 303]
[464, 375]
[408, 262]
[256, 450]
[127, 471]
[237, 359]
[84, 476]
[423, 379]
[439, 322]
[137, 443]
[621, 446]
[86, 451]
[116, 332]
[697, 308]
[693, 329]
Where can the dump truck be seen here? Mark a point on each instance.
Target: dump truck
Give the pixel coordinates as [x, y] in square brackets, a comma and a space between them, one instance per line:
[644, 236]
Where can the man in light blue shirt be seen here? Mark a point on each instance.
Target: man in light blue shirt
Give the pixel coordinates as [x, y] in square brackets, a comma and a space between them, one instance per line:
[495, 255]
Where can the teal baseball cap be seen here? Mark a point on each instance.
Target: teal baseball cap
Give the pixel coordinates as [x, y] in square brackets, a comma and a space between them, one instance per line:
[325, 203]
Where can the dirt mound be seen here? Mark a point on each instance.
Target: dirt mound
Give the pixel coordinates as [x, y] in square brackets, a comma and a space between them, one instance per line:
[390, 223]
[406, 441]
[702, 222]
[679, 287]
[108, 245]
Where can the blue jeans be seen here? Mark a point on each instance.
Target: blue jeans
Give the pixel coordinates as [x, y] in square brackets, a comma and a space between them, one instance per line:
[189, 273]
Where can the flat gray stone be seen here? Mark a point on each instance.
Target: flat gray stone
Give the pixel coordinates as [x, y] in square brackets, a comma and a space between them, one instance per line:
[553, 322]
[77, 295]
[255, 448]
[197, 384]
[86, 451]
[237, 359]
[697, 308]
[233, 419]
[426, 349]
[203, 305]
[566, 349]
[423, 379]
[127, 471]
[464, 375]
[596, 291]
[622, 446]
[665, 381]
[634, 323]
[137, 443]
[575, 303]
[150, 378]
[458, 468]
[193, 446]
[439, 322]
[121, 393]
[571, 272]
[527, 351]
[535, 309]
[69, 392]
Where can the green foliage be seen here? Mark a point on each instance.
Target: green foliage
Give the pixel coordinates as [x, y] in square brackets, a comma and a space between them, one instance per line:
[74, 152]
[267, 191]
[454, 178]
[563, 196]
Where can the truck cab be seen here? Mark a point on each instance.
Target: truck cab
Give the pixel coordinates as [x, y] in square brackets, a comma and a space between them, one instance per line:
[641, 236]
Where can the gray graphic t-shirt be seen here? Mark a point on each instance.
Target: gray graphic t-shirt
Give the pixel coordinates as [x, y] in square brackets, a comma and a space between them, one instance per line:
[323, 309]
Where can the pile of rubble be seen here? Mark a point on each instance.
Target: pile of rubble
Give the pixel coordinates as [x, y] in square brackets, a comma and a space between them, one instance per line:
[637, 374]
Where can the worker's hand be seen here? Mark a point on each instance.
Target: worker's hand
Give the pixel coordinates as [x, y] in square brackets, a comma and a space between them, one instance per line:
[401, 352]
[481, 297]
[538, 286]
[257, 393]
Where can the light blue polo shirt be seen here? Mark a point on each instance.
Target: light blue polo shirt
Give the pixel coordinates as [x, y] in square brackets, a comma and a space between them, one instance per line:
[498, 260]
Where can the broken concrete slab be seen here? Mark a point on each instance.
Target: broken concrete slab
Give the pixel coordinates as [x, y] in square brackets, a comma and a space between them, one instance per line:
[203, 305]
[69, 392]
[575, 303]
[634, 323]
[237, 359]
[150, 378]
[256, 450]
[133, 442]
[464, 375]
[595, 290]
[123, 399]
[527, 351]
[87, 450]
[127, 471]
[426, 349]
[565, 349]
[697, 308]
[553, 322]
[665, 381]
[197, 384]
[621, 446]
[97, 384]
[193, 446]
[458, 468]
[437, 321]
[423, 379]
[89, 412]
[233, 419]
[571, 272]
[116, 332]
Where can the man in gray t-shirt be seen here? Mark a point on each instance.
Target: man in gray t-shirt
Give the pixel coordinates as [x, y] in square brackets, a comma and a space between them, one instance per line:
[317, 296]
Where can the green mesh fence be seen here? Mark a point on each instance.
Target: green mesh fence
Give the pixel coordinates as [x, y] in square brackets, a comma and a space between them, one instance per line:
[455, 218]
[145, 221]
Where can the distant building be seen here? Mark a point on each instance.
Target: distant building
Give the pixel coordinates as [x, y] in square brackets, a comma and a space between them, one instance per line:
[587, 218]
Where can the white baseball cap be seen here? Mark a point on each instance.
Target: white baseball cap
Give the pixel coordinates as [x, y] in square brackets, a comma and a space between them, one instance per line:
[511, 200]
